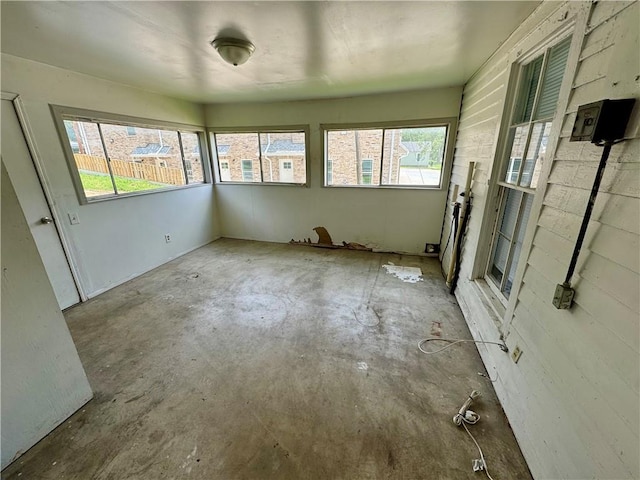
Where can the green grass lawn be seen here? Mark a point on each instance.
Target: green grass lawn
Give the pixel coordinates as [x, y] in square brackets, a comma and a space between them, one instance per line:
[102, 183]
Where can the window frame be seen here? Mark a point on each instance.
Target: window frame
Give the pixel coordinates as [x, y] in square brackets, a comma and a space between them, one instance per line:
[498, 184]
[451, 123]
[304, 128]
[61, 113]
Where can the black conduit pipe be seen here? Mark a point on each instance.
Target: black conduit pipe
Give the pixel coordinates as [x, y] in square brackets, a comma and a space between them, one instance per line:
[587, 213]
[463, 229]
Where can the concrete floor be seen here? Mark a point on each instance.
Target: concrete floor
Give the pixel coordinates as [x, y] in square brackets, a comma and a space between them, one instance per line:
[247, 360]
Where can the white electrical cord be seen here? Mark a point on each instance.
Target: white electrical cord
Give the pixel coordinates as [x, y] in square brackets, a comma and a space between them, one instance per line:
[466, 416]
[484, 462]
[454, 341]
[487, 376]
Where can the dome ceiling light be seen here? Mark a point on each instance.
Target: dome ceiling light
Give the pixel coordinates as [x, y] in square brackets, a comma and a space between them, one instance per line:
[235, 51]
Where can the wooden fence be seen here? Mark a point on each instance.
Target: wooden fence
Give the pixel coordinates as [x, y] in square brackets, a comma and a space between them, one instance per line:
[122, 168]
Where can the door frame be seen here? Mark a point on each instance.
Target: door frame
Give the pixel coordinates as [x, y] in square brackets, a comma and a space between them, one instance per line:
[36, 159]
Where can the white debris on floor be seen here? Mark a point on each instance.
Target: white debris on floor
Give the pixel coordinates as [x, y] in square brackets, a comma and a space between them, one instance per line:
[406, 274]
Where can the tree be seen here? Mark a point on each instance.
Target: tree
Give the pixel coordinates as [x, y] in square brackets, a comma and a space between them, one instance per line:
[433, 135]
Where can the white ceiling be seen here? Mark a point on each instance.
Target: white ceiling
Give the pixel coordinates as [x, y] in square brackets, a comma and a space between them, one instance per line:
[304, 49]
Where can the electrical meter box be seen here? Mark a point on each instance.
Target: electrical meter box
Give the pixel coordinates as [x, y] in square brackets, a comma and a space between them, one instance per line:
[603, 121]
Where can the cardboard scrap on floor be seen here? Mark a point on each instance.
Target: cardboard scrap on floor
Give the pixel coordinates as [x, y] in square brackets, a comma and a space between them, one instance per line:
[325, 241]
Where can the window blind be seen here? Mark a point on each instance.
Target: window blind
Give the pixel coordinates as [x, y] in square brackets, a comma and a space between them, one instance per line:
[529, 87]
[553, 80]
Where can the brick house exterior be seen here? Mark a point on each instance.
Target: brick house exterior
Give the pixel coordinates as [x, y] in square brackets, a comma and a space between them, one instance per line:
[283, 157]
[157, 147]
[354, 157]
[344, 147]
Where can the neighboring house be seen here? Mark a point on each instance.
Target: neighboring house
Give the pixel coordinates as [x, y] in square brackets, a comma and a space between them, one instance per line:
[284, 157]
[417, 154]
[160, 148]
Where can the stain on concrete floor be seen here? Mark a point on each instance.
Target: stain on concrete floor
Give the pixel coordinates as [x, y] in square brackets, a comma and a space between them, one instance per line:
[245, 360]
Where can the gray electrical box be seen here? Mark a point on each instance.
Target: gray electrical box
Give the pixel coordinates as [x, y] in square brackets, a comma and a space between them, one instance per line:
[563, 296]
[603, 121]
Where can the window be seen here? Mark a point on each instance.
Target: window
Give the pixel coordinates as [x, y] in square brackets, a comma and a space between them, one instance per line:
[256, 156]
[192, 158]
[73, 139]
[247, 170]
[527, 137]
[131, 130]
[395, 156]
[366, 171]
[106, 161]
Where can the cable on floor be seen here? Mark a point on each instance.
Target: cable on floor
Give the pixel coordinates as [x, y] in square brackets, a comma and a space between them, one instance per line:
[487, 376]
[482, 459]
[466, 416]
[454, 341]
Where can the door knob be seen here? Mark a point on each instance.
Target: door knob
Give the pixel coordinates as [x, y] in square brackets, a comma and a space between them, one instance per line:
[46, 220]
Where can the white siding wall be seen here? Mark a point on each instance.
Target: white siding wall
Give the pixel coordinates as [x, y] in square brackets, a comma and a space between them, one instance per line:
[119, 239]
[572, 399]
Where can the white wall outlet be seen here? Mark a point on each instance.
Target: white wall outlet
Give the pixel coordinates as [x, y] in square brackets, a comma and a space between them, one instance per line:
[516, 354]
[167, 238]
[74, 218]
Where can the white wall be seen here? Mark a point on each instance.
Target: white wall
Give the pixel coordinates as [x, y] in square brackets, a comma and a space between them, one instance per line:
[118, 239]
[43, 381]
[386, 219]
[572, 399]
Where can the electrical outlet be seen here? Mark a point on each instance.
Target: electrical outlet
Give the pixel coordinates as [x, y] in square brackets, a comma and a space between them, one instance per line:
[432, 248]
[516, 354]
[74, 218]
[167, 238]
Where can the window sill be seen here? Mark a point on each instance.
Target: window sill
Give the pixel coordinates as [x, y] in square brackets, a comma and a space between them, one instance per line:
[262, 184]
[495, 307]
[388, 187]
[91, 201]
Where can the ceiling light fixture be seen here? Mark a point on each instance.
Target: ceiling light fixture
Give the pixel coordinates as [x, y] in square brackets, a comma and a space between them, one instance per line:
[233, 50]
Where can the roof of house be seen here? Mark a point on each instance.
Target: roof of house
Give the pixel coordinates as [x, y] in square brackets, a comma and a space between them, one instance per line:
[152, 149]
[283, 147]
[413, 147]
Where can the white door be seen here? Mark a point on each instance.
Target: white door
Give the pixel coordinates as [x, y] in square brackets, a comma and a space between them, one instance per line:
[17, 159]
[286, 171]
[225, 173]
